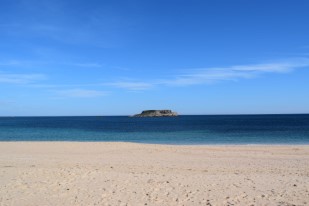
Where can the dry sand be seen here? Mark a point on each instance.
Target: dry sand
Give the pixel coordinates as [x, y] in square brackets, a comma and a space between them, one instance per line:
[73, 173]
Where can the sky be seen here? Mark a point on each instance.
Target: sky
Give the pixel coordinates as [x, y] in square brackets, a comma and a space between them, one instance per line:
[109, 57]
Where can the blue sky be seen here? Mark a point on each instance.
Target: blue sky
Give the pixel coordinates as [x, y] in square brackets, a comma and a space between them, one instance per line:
[76, 57]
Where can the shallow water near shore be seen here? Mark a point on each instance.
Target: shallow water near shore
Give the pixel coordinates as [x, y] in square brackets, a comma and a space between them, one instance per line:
[185, 130]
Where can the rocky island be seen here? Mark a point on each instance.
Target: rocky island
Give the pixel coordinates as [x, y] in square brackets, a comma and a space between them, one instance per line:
[156, 113]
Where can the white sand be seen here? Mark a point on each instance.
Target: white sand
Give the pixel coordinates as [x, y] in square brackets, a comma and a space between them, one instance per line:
[68, 173]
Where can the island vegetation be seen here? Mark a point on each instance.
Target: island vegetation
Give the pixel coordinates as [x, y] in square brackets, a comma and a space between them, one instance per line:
[157, 113]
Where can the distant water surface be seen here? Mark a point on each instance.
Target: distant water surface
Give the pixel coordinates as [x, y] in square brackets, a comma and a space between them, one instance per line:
[187, 129]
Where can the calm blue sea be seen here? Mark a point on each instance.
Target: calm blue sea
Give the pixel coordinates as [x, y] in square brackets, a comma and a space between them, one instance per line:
[199, 129]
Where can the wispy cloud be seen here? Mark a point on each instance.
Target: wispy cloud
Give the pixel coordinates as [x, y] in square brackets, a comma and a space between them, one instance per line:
[131, 85]
[6, 102]
[10, 63]
[81, 93]
[20, 63]
[210, 75]
[88, 65]
[20, 78]
[215, 74]
[36, 63]
[189, 77]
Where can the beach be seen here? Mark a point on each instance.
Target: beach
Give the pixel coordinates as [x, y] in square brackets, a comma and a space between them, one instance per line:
[117, 173]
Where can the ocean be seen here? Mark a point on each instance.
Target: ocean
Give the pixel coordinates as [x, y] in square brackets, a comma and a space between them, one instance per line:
[184, 129]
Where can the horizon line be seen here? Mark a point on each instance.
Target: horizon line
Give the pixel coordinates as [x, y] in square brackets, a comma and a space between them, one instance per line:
[129, 115]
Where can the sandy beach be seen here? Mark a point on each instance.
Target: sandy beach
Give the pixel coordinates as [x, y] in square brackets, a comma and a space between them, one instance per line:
[75, 173]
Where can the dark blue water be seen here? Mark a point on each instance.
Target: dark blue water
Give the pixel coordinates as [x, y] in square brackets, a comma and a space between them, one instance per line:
[200, 129]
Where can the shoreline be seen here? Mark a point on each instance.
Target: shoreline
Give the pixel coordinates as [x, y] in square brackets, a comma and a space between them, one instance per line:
[163, 144]
[160, 144]
[121, 173]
